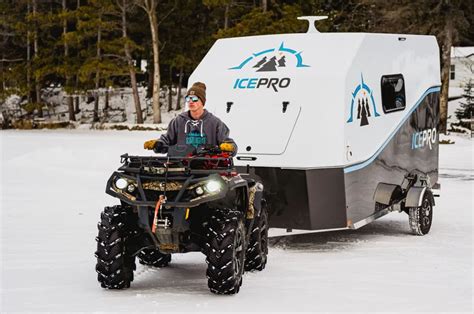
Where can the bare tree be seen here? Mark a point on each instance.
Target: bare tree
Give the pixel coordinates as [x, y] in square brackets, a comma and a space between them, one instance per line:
[36, 53]
[180, 84]
[70, 103]
[125, 6]
[170, 90]
[226, 14]
[77, 100]
[97, 74]
[150, 6]
[28, 57]
[445, 67]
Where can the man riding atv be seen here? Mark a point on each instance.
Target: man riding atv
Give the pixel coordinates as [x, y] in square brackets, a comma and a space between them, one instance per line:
[195, 127]
[192, 199]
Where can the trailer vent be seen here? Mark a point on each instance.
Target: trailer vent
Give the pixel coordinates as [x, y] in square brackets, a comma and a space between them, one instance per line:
[311, 20]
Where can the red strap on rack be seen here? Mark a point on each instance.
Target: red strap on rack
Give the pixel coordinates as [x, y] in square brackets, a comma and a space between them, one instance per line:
[160, 201]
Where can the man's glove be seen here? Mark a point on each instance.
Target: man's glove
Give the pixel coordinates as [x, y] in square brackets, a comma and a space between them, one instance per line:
[229, 146]
[150, 144]
[157, 146]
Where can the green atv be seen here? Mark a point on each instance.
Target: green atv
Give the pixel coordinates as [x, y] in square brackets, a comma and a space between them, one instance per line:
[190, 200]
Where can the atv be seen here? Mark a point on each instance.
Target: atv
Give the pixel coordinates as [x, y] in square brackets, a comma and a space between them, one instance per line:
[188, 200]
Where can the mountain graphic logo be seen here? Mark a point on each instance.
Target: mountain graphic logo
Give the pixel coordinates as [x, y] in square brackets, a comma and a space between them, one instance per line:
[270, 60]
[362, 104]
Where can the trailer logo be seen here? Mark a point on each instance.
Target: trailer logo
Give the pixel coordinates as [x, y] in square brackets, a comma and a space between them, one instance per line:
[270, 60]
[362, 96]
[423, 138]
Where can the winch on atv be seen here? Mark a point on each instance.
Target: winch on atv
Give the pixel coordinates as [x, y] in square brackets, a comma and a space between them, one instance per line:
[190, 200]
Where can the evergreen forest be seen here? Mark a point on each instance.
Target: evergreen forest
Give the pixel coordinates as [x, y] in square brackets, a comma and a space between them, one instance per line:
[87, 46]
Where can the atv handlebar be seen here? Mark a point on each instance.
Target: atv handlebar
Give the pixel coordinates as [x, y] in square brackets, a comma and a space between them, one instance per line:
[186, 150]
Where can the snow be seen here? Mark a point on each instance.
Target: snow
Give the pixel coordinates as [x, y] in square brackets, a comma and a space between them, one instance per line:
[455, 92]
[121, 106]
[52, 191]
[461, 52]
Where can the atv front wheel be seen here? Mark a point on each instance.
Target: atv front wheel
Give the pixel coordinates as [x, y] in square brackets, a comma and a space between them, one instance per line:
[257, 250]
[225, 252]
[115, 265]
[421, 217]
[153, 257]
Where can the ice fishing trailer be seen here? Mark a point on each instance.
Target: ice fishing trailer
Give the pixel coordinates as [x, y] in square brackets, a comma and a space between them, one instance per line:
[341, 127]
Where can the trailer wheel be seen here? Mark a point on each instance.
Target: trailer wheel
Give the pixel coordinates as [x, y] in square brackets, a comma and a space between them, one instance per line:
[115, 265]
[257, 250]
[421, 217]
[153, 257]
[225, 252]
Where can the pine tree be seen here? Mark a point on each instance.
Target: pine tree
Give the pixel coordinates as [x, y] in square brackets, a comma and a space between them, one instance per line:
[43, 55]
[277, 19]
[99, 32]
[466, 110]
[13, 42]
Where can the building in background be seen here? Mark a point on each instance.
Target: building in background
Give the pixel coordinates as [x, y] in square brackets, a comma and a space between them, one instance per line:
[462, 70]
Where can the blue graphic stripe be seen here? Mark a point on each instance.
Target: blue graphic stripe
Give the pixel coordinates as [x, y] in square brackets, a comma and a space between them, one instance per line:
[263, 52]
[371, 159]
[282, 48]
[242, 64]
[352, 102]
[300, 61]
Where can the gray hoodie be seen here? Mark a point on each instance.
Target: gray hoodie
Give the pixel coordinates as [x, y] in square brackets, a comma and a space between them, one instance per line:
[185, 130]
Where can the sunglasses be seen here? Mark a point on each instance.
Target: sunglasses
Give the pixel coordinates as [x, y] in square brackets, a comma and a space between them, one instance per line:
[191, 98]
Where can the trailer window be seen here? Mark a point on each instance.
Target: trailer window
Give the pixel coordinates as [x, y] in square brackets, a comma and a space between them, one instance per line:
[393, 93]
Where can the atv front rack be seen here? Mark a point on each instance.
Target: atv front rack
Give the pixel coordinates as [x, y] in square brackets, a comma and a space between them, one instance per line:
[172, 166]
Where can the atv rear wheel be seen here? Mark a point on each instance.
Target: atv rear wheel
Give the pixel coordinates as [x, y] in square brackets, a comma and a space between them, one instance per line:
[225, 252]
[153, 257]
[421, 217]
[115, 265]
[257, 250]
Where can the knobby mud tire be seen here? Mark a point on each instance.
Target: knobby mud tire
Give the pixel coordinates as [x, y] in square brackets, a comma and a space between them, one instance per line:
[115, 265]
[421, 217]
[153, 257]
[225, 252]
[257, 249]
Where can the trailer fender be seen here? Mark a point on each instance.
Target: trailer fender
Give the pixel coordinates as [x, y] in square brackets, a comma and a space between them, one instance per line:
[386, 193]
[415, 196]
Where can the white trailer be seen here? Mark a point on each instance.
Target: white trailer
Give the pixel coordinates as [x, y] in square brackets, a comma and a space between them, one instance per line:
[341, 127]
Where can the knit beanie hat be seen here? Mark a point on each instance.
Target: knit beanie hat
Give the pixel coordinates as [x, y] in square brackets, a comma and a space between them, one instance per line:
[198, 89]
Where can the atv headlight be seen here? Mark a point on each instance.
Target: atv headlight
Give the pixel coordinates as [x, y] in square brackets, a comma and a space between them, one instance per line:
[131, 188]
[199, 190]
[121, 183]
[213, 186]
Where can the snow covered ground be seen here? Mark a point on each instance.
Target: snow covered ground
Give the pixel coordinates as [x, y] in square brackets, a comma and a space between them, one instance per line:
[52, 191]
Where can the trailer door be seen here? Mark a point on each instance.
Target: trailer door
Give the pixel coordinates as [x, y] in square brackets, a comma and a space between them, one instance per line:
[260, 127]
